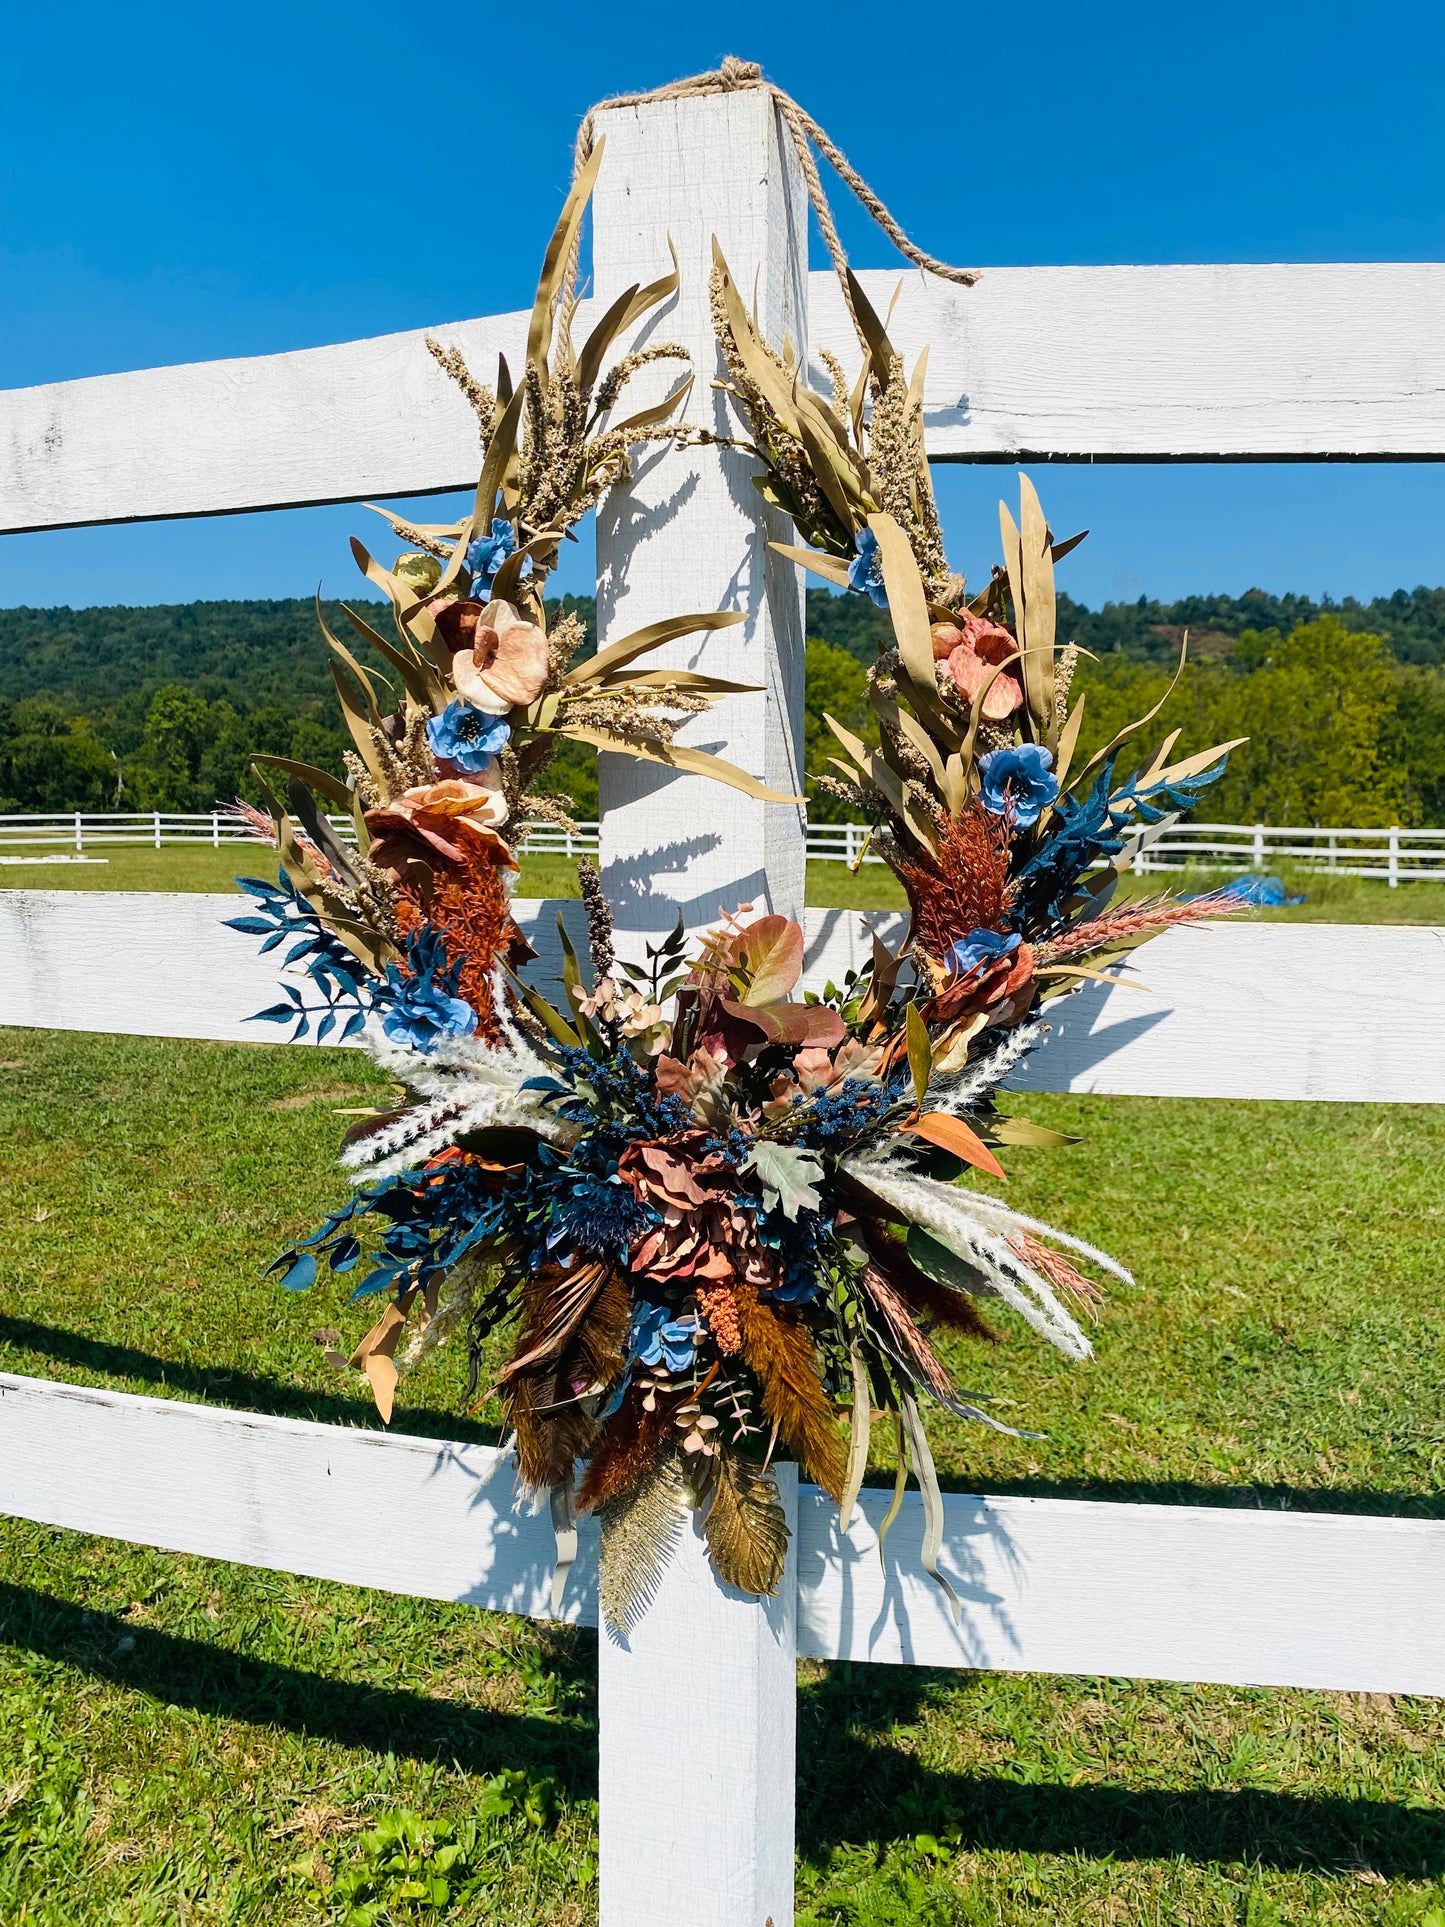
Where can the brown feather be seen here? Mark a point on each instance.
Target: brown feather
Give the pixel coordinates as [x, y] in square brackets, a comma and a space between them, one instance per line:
[625, 1447]
[539, 1399]
[779, 1352]
[747, 1532]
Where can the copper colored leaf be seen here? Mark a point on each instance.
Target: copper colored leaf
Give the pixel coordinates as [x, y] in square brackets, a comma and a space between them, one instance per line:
[770, 953]
[950, 1133]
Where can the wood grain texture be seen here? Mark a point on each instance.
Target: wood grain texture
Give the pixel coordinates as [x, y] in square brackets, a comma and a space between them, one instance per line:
[1130, 363]
[338, 424]
[696, 1757]
[689, 531]
[1252, 1010]
[1170, 363]
[1246, 1598]
[408, 1515]
[1243, 1597]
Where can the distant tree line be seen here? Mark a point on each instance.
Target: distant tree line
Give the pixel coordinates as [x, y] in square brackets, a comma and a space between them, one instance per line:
[162, 708]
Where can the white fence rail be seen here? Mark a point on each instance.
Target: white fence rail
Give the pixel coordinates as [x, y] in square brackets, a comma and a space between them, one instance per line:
[1392, 856]
[697, 1710]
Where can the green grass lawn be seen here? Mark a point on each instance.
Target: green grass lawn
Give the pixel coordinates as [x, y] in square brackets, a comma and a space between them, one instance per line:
[1330, 899]
[184, 1740]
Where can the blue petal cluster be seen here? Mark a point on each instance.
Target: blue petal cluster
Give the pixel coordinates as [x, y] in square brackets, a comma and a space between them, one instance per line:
[424, 1006]
[865, 571]
[1017, 782]
[467, 737]
[979, 946]
[657, 1338]
[487, 554]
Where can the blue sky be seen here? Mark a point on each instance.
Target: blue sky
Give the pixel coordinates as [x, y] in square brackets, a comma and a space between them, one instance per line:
[229, 181]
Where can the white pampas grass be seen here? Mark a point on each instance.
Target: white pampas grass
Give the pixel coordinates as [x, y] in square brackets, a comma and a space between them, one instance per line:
[467, 1084]
[975, 1227]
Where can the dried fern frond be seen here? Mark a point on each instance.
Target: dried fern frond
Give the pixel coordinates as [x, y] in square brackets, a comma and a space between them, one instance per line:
[745, 1526]
[640, 1529]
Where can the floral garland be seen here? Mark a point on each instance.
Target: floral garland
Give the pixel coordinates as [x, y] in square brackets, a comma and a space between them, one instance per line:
[683, 1218]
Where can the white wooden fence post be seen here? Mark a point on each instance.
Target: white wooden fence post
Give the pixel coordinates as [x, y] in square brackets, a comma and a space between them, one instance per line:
[691, 532]
[79, 833]
[1395, 857]
[697, 1708]
[1258, 862]
[697, 1777]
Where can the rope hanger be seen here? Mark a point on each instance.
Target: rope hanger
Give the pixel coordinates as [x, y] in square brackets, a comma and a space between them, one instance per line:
[737, 76]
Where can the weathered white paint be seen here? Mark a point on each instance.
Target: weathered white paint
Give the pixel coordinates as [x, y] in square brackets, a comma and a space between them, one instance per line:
[1048, 1585]
[1248, 1598]
[1161, 363]
[1258, 1010]
[696, 1718]
[370, 1508]
[1144, 363]
[689, 531]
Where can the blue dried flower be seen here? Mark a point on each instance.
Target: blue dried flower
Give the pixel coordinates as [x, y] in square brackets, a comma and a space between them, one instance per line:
[977, 947]
[1016, 782]
[600, 1216]
[467, 737]
[865, 571]
[487, 554]
[658, 1339]
[424, 1006]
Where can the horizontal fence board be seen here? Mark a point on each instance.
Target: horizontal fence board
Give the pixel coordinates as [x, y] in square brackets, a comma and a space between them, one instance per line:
[1237, 1010]
[1243, 1597]
[1141, 363]
[407, 1515]
[1168, 363]
[1048, 1585]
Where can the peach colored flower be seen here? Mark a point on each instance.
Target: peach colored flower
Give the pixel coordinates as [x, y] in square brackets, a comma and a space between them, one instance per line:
[437, 820]
[498, 658]
[969, 651]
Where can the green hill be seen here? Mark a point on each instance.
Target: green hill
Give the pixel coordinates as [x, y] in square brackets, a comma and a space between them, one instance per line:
[162, 707]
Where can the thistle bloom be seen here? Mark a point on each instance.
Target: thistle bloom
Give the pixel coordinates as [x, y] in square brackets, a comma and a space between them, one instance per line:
[487, 554]
[498, 658]
[467, 738]
[865, 571]
[1017, 783]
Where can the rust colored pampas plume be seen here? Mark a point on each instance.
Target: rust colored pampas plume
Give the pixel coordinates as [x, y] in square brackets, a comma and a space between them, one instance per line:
[963, 888]
[468, 904]
[1147, 916]
[778, 1350]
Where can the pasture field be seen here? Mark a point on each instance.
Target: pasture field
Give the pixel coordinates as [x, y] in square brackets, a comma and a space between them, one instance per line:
[182, 1740]
[179, 866]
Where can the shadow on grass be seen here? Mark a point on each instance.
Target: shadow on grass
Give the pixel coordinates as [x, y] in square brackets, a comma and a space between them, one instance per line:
[244, 1391]
[1364, 1500]
[852, 1790]
[215, 1681]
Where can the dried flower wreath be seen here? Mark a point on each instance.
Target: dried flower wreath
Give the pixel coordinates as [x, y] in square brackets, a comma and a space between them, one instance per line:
[705, 1216]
